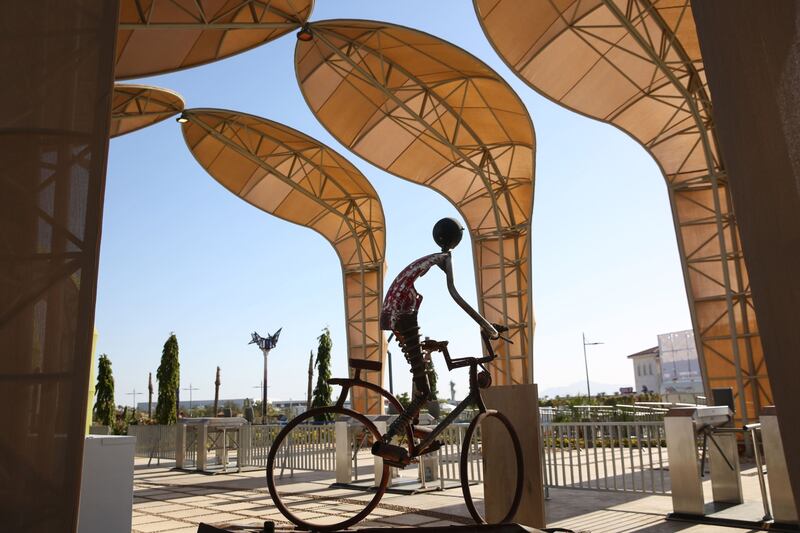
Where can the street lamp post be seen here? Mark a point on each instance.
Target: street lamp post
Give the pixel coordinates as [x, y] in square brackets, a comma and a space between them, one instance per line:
[265, 344]
[190, 389]
[134, 394]
[260, 386]
[586, 363]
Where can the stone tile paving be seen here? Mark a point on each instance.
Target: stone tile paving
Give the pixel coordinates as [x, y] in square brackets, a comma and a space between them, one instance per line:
[175, 502]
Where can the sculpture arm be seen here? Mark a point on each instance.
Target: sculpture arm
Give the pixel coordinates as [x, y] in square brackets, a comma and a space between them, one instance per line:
[477, 317]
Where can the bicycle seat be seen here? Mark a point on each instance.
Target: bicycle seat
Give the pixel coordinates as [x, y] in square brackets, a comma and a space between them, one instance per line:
[365, 364]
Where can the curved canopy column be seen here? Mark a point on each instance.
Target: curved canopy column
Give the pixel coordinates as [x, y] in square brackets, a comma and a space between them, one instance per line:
[636, 64]
[427, 111]
[296, 178]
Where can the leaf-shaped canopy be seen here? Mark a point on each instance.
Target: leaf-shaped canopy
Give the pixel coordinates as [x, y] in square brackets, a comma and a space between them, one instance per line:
[292, 176]
[636, 64]
[424, 110]
[159, 36]
[137, 106]
[429, 112]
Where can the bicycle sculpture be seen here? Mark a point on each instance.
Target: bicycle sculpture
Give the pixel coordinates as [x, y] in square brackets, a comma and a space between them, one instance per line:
[405, 441]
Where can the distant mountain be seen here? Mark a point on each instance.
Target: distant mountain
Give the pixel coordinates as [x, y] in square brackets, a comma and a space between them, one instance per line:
[579, 388]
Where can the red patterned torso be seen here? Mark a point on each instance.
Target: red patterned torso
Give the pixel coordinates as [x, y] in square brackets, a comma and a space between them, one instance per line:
[402, 298]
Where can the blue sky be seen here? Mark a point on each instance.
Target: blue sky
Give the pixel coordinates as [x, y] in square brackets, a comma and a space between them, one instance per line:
[180, 253]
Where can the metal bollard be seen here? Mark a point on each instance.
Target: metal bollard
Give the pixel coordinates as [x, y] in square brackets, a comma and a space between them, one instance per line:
[780, 489]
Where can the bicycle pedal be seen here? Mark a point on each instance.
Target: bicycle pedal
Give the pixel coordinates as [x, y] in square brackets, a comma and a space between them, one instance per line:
[432, 447]
[394, 464]
[392, 455]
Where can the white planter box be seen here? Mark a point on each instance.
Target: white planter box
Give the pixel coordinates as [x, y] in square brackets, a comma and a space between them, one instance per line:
[106, 484]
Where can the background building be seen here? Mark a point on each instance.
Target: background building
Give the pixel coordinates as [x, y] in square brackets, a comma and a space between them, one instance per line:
[671, 369]
[681, 380]
[646, 370]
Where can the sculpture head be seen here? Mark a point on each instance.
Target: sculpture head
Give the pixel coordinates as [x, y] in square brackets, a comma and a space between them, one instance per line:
[447, 233]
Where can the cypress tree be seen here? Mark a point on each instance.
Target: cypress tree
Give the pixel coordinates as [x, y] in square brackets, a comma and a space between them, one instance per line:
[168, 376]
[323, 391]
[104, 406]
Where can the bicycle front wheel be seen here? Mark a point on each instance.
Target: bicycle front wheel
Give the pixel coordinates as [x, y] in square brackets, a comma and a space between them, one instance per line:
[473, 465]
[302, 470]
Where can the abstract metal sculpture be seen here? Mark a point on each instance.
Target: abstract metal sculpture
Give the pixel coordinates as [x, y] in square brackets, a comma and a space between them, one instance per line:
[292, 176]
[265, 344]
[636, 64]
[429, 112]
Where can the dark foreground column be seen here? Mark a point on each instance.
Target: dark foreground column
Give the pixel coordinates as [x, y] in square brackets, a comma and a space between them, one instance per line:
[56, 59]
[751, 51]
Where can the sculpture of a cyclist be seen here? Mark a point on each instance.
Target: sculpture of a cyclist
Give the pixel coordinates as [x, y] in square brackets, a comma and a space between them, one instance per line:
[292, 496]
[399, 314]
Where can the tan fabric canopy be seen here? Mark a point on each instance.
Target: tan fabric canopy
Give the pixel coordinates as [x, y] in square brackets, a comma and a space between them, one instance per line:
[158, 36]
[429, 112]
[294, 177]
[134, 107]
[636, 64]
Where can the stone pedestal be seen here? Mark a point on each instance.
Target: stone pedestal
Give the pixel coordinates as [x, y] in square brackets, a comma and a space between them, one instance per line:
[520, 404]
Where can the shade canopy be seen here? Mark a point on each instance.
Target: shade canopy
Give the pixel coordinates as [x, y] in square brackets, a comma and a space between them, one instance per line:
[134, 107]
[429, 112]
[637, 65]
[292, 176]
[159, 36]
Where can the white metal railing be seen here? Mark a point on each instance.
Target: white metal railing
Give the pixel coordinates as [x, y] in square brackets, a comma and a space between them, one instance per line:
[257, 440]
[450, 454]
[309, 447]
[618, 456]
[640, 411]
[154, 441]
[597, 455]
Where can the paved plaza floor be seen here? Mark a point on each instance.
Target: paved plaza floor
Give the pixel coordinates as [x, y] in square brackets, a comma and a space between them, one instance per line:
[166, 500]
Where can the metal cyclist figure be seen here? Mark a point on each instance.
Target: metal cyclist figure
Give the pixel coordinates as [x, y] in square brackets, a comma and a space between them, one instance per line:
[399, 314]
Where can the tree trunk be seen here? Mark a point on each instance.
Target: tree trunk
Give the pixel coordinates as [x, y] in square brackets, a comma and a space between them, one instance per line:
[310, 378]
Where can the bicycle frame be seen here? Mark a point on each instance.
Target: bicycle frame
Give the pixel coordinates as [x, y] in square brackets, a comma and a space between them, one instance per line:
[478, 379]
[476, 383]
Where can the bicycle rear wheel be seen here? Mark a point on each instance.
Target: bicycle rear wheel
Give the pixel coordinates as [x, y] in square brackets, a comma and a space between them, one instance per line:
[302, 471]
[472, 448]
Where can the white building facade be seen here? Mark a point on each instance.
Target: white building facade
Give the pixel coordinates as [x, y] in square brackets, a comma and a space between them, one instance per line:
[671, 369]
[646, 370]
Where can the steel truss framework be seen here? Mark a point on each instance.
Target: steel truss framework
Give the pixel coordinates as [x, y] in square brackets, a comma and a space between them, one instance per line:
[158, 36]
[134, 107]
[429, 112]
[636, 64]
[294, 177]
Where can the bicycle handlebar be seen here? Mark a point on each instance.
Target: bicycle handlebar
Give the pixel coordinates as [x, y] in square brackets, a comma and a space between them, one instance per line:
[430, 346]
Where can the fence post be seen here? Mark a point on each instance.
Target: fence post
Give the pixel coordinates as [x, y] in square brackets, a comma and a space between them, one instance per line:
[245, 445]
[344, 470]
[180, 445]
[202, 436]
[381, 426]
